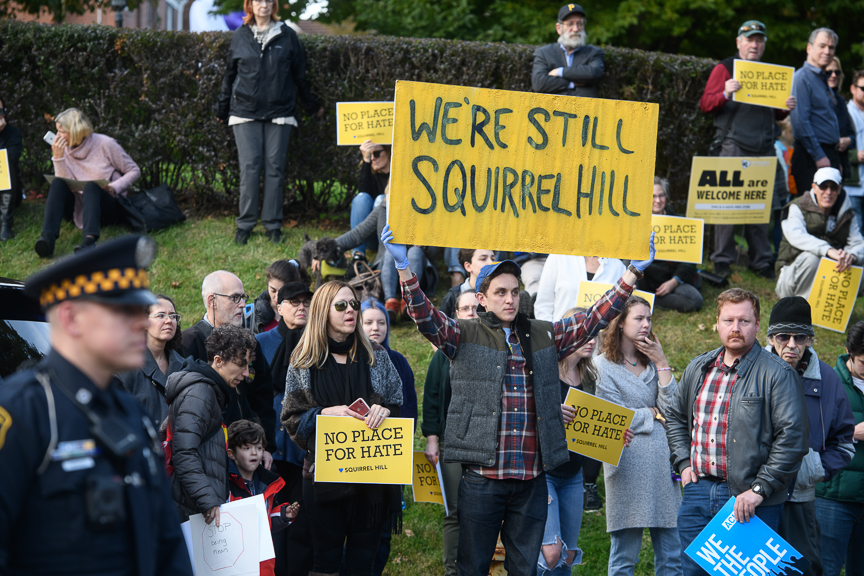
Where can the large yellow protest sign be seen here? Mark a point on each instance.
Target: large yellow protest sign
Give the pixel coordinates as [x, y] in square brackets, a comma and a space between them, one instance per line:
[426, 484]
[357, 122]
[833, 294]
[678, 239]
[346, 450]
[763, 84]
[598, 429]
[590, 292]
[731, 190]
[481, 168]
[5, 175]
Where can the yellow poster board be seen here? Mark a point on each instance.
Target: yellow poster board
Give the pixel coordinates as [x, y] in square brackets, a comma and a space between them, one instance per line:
[427, 485]
[731, 190]
[678, 239]
[590, 292]
[5, 175]
[598, 430]
[346, 450]
[519, 171]
[357, 122]
[832, 296]
[762, 84]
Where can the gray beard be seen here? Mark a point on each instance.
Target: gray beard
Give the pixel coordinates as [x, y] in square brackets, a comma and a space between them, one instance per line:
[573, 40]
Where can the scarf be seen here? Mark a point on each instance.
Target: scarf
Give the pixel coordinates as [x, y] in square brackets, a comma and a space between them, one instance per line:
[282, 357]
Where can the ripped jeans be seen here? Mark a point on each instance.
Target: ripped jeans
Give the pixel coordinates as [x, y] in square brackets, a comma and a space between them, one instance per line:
[563, 521]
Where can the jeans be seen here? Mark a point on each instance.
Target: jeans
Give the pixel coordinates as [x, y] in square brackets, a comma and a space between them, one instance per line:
[702, 500]
[625, 551]
[390, 276]
[563, 522]
[684, 298]
[361, 206]
[857, 203]
[484, 505]
[451, 257]
[842, 525]
[99, 208]
[261, 145]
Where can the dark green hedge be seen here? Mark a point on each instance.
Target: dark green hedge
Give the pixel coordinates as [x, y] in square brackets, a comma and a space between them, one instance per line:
[155, 93]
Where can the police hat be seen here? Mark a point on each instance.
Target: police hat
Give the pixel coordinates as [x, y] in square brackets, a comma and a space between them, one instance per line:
[111, 273]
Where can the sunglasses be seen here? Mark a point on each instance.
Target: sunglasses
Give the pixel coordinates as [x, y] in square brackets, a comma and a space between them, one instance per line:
[828, 185]
[798, 339]
[833, 72]
[377, 153]
[341, 305]
[856, 86]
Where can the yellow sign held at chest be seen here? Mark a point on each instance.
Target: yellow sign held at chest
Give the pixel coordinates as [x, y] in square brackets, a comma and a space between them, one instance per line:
[357, 122]
[731, 190]
[5, 175]
[832, 296]
[346, 450]
[427, 485]
[763, 84]
[590, 292]
[678, 239]
[495, 169]
[598, 430]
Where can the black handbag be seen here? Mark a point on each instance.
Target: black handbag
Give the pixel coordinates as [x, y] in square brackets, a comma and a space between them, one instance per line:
[151, 210]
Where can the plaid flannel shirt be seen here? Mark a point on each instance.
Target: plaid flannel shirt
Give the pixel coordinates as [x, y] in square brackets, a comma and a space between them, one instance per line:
[517, 453]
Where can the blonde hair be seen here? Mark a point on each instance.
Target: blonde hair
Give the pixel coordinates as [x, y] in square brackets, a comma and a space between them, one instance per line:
[313, 348]
[76, 123]
[249, 18]
[840, 76]
[584, 365]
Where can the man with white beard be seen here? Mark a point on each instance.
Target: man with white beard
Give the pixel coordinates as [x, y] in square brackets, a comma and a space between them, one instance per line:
[571, 67]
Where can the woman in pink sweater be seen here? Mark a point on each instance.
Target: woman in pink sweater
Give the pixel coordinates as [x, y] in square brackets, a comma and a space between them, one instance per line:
[80, 154]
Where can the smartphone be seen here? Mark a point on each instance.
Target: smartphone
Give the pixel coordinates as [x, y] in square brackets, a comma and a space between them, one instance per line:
[360, 406]
[49, 138]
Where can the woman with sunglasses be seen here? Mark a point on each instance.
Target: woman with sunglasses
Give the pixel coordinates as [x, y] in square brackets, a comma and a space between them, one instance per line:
[161, 359]
[334, 365]
[374, 176]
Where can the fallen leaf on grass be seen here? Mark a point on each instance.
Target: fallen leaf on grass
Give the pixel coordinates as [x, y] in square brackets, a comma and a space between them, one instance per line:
[408, 533]
[292, 223]
[399, 559]
[702, 327]
[175, 284]
[258, 276]
[735, 278]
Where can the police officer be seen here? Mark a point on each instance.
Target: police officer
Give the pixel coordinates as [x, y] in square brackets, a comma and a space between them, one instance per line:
[83, 488]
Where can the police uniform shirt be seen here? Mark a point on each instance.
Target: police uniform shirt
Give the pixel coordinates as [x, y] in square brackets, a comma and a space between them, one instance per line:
[44, 522]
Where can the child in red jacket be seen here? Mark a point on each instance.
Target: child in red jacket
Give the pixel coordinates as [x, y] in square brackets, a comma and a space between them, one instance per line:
[248, 477]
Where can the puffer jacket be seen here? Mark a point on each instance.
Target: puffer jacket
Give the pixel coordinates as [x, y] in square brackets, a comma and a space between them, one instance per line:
[196, 396]
[767, 431]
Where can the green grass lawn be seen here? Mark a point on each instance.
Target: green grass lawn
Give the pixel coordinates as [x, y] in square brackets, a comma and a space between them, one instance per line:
[189, 251]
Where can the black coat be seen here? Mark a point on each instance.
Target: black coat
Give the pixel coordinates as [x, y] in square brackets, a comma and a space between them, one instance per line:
[586, 72]
[262, 84]
[147, 385]
[10, 139]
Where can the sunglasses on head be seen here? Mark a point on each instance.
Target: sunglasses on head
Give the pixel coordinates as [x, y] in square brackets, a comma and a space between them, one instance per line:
[341, 305]
[796, 338]
[377, 153]
[757, 27]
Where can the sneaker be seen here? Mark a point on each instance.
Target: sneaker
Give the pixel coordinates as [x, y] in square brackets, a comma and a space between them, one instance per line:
[592, 500]
[722, 269]
[392, 307]
[275, 236]
[87, 242]
[241, 237]
[44, 246]
[767, 272]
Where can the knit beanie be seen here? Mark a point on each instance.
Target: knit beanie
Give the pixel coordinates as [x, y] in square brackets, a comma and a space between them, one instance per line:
[791, 315]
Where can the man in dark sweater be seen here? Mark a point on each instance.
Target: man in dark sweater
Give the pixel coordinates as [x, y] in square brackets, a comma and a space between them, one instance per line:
[225, 301]
[745, 130]
[571, 66]
[11, 141]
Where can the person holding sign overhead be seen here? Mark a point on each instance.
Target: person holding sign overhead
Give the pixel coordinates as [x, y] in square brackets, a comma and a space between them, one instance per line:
[332, 369]
[743, 130]
[504, 421]
[641, 491]
[819, 224]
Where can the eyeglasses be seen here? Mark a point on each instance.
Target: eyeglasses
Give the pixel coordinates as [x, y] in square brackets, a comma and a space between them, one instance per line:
[162, 316]
[298, 303]
[466, 309]
[798, 339]
[575, 24]
[341, 305]
[833, 72]
[236, 298]
[377, 153]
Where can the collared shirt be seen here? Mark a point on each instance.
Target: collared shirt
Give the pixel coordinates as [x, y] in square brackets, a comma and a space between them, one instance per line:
[814, 120]
[568, 56]
[711, 418]
[517, 452]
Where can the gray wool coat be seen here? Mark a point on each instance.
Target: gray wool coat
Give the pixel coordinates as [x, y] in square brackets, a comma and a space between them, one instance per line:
[639, 491]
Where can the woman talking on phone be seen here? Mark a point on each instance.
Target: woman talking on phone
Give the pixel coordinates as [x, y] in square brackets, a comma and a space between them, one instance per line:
[335, 368]
[83, 155]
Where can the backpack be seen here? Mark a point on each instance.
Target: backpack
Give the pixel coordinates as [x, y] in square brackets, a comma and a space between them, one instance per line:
[151, 210]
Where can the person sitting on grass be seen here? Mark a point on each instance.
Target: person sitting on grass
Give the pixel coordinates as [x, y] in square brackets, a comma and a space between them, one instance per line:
[472, 260]
[248, 477]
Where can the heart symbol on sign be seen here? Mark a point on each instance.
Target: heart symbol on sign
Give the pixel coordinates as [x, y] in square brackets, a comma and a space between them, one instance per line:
[572, 440]
[340, 469]
[430, 493]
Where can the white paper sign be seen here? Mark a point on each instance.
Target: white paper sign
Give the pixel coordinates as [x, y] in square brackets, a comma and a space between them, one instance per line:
[229, 549]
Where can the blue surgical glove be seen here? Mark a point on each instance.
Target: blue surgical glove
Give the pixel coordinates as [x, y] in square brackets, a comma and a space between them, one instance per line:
[398, 251]
[643, 264]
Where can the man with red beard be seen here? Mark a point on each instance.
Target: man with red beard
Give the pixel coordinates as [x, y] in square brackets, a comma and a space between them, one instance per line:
[571, 67]
[737, 426]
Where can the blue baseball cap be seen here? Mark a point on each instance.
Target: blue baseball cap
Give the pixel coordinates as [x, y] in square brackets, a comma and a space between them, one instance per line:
[488, 270]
